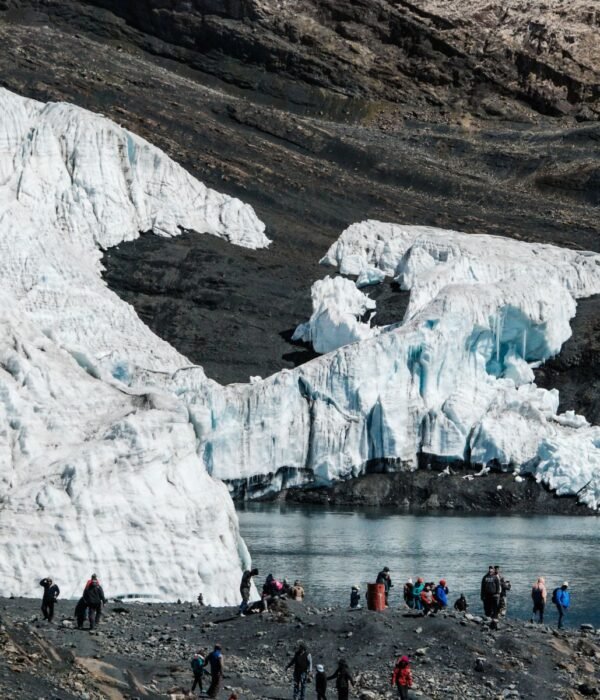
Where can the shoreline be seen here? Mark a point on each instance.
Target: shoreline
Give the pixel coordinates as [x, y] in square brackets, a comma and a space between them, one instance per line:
[427, 491]
[144, 650]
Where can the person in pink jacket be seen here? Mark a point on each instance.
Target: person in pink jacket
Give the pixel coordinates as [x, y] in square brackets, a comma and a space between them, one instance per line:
[538, 595]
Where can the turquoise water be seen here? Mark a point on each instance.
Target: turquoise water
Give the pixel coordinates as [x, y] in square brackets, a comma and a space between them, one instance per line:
[331, 549]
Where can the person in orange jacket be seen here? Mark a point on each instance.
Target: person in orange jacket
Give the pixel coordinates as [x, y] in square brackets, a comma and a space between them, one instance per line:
[402, 677]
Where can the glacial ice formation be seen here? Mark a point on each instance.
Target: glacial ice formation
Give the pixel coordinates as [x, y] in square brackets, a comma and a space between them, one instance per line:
[112, 445]
[338, 306]
[453, 380]
[97, 470]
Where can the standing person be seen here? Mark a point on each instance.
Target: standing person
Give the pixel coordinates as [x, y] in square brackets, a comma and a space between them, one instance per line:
[355, 597]
[538, 596]
[461, 604]
[245, 586]
[505, 587]
[408, 593]
[51, 593]
[402, 677]
[93, 597]
[217, 666]
[490, 593]
[417, 590]
[343, 680]
[297, 591]
[302, 663]
[384, 578]
[562, 599]
[427, 602]
[441, 594]
[198, 664]
[321, 683]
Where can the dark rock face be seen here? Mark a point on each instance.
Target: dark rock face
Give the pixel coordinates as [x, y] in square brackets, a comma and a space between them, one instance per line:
[575, 372]
[430, 491]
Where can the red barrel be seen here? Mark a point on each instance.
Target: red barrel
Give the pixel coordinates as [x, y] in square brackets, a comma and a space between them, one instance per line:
[375, 596]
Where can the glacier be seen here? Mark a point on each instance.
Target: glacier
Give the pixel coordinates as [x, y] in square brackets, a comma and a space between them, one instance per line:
[98, 471]
[119, 455]
[452, 380]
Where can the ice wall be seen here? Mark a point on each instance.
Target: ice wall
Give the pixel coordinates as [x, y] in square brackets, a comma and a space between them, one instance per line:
[453, 380]
[99, 469]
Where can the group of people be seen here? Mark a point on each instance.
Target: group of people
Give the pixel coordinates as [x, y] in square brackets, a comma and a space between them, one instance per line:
[429, 597]
[302, 666]
[90, 603]
[213, 665]
[561, 598]
[272, 589]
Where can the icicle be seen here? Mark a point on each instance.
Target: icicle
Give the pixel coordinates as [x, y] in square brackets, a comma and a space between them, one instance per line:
[524, 348]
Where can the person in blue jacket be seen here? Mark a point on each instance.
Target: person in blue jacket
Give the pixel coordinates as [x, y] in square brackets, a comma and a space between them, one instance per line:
[441, 594]
[562, 600]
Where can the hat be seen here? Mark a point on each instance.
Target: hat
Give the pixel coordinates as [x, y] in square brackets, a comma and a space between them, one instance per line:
[442, 582]
[385, 568]
[404, 660]
[94, 577]
[409, 580]
[565, 584]
[419, 580]
[356, 588]
[320, 668]
[217, 646]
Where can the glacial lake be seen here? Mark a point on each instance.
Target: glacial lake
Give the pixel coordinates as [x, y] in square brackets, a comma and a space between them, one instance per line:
[329, 550]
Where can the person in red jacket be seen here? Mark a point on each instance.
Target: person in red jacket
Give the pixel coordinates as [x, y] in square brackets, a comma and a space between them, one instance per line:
[402, 677]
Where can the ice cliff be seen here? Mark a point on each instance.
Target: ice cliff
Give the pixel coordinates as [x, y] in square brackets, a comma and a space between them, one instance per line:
[95, 474]
[452, 381]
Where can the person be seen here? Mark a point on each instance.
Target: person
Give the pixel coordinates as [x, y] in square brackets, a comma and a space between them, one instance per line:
[460, 604]
[417, 590]
[505, 587]
[490, 592]
[427, 602]
[216, 662]
[408, 593]
[441, 594]
[402, 677]
[302, 663]
[355, 598]
[245, 586]
[538, 596]
[297, 591]
[93, 596]
[384, 578]
[562, 599]
[51, 593]
[321, 683]
[200, 599]
[343, 679]
[80, 612]
[198, 669]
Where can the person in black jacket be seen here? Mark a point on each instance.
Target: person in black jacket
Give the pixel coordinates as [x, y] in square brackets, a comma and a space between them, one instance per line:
[51, 593]
[321, 683]
[384, 578]
[245, 586]
[491, 588]
[343, 680]
[93, 596]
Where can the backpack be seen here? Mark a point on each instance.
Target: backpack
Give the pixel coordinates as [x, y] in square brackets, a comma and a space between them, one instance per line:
[197, 665]
[555, 594]
[490, 585]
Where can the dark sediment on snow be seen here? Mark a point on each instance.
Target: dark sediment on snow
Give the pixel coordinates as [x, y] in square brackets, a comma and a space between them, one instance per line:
[144, 651]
